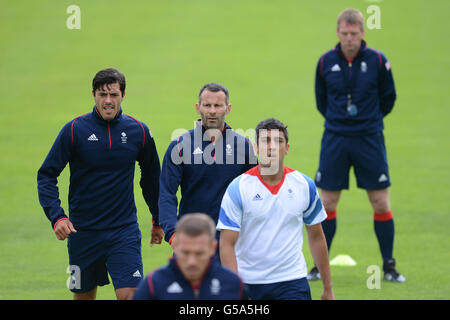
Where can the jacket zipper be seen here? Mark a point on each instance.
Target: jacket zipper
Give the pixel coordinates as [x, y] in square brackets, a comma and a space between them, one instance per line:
[109, 134]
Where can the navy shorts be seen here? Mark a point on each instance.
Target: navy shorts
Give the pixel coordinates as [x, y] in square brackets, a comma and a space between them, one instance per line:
[94, 254]
[367, 155]
[287, 290]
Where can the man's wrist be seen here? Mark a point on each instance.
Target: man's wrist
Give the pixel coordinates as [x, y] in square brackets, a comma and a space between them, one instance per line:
[58, 221]
[327, 286]
[171, 238]
[155, 224]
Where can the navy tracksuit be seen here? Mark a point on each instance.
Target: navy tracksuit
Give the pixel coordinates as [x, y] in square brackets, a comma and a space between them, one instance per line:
[203, 171]
[168, 283]
[102, 156]
[373, 93]
[354, 139]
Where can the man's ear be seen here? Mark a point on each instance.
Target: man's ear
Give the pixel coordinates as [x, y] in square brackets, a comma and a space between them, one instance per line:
[213, 247]
[287, 149]
[197, 108]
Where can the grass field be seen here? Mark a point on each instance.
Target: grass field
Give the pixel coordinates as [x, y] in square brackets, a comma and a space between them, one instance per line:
[265, 52]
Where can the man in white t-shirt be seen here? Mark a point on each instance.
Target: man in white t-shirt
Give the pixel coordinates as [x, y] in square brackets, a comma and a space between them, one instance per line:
[261, 221]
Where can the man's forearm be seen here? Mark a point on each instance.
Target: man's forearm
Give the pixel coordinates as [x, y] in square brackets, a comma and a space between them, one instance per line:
[228, 257]
[319, 252]
[167, 211]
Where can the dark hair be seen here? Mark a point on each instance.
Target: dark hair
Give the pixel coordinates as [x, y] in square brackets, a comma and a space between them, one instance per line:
[108, 76]
[196, 224]
[214, 87]
[269, 124]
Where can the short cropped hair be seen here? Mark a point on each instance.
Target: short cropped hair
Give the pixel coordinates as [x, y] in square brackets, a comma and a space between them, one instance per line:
[270, 124]
[214, 87]
[351, 16]
[108, 76]
[196, 224]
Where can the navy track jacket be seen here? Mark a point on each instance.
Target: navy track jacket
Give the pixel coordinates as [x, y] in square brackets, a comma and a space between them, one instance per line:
[168, 283]
[203, 171]
[373, 91]
[102, 156]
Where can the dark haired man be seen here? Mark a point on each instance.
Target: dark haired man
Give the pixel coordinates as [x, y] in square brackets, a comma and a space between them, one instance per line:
[193, 273]
[101, 148]
[261, 221]
[203, 161]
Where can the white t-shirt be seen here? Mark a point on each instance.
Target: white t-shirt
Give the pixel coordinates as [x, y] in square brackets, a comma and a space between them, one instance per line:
[270, 220]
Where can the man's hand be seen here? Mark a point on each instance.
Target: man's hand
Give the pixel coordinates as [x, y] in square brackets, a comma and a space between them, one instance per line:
[157, 235]
[172, 241]
[327, 294]
[63, 228]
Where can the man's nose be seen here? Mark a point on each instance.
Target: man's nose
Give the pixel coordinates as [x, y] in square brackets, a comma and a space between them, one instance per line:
[191, 260]
[268, 147]
[108, 99]
[273, 146]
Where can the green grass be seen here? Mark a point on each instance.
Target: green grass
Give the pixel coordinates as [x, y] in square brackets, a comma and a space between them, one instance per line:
[265, 52]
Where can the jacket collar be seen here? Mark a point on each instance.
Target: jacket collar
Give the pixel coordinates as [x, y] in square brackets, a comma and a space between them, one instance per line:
[199, 124]
[174, 266]
[361, 49]
[97, 115]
